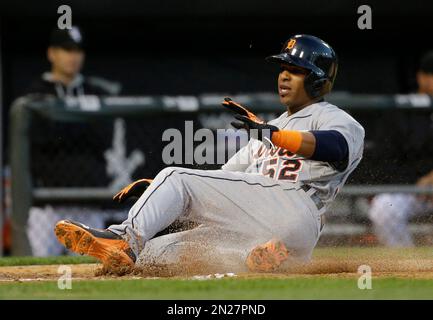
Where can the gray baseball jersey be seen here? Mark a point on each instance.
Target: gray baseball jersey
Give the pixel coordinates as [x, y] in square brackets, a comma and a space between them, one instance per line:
[257, 196]
[279, 164]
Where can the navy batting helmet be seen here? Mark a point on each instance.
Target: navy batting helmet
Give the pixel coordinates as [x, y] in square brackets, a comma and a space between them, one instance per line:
[315, 55]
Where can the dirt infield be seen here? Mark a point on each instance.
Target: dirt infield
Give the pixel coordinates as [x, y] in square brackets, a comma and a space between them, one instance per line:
[324, 266]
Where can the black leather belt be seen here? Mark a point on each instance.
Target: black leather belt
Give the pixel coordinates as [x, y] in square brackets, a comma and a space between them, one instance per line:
[317, 201]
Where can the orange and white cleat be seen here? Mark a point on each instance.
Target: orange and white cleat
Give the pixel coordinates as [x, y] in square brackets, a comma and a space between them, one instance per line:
[267, 257]
[104, 245]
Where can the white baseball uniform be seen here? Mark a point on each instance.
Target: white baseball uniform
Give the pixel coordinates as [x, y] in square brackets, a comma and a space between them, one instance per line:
[390, 214]
[259, 194]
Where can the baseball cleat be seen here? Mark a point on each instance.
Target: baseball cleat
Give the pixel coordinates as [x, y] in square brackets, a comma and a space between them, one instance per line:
[267, 257]
[104, 245]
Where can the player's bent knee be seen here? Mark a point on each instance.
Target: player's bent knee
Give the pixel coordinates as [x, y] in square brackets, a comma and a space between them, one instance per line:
[176, 173]
[166, 172]
[169, 171]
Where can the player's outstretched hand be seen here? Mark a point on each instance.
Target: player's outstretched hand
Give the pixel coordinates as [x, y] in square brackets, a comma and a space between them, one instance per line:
[134, 189]
[239, 109]
[258, 130]
[256, 127]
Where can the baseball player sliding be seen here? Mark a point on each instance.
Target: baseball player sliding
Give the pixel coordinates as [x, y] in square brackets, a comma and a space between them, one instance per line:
[266, 203]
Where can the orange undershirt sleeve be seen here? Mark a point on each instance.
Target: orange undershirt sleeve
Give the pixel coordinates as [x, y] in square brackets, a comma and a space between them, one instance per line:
[287, 139]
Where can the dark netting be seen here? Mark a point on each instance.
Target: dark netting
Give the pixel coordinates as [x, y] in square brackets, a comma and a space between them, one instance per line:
[67, 154]
[71, 154]
[398, 148]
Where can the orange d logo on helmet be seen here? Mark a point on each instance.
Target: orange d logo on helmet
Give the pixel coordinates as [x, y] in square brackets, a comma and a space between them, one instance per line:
[291, 44]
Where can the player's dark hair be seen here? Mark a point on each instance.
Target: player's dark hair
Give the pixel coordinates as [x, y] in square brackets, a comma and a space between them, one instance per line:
[426, 63]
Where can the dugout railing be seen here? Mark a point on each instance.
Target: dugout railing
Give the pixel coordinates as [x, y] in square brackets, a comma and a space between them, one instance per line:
[30, 116]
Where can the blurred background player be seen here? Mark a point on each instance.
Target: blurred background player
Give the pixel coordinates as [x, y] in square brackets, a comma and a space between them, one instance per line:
[390, 213]
[66, 56]
[424, 75]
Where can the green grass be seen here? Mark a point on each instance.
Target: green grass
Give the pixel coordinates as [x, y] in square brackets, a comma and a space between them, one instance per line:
[300, 288]
[28, 261]
[317, 287]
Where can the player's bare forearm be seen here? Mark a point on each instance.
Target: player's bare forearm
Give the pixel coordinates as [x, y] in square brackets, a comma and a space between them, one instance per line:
[308, 145]
[320, 145]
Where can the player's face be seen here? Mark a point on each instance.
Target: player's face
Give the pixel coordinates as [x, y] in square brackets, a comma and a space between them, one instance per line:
[425, 83]
[291, 86]
[66, 62]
